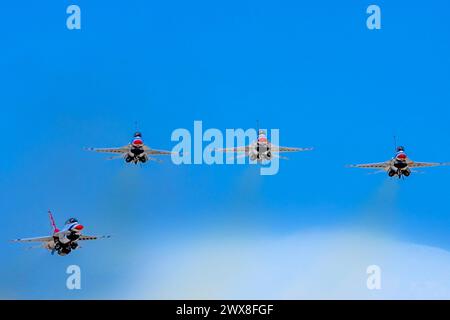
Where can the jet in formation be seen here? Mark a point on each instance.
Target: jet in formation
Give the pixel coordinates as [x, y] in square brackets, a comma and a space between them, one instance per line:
[262, 150]
[400, 165]
[136, 151]
[64, 240]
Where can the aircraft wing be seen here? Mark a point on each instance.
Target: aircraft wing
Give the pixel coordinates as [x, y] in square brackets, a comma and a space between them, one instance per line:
[37, 239]
[379, 165]
[83, 237]
[413, 164]
[238, 149]
[157, 152]
[123, 149]
[288, 149]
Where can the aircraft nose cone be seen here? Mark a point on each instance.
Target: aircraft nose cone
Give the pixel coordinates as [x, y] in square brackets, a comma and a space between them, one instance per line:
[401, 156]
[79, 227]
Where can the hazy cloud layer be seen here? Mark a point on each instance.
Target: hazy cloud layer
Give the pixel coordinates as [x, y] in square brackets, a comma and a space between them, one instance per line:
[322, 265]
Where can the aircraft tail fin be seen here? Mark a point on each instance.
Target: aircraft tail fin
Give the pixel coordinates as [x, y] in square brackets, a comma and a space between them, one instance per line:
[52, 222]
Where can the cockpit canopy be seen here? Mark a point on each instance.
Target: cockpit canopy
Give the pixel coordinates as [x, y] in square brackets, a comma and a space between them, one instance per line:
[400, 149]
[71, 220]
[138, 134]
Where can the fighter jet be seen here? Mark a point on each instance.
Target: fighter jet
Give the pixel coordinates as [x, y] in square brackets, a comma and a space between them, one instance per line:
[400, 165]
[135, 152]
[262, 150]
[64, 240]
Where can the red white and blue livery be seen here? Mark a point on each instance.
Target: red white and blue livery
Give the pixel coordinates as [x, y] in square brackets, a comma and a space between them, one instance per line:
[400, 165]
[65, 240]
[262, 149]
[136, 151]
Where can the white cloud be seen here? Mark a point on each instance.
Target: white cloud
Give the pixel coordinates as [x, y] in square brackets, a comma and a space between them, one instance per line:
[315, 265]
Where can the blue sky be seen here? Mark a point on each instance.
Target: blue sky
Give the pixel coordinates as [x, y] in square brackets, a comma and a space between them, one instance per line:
[311, 69]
